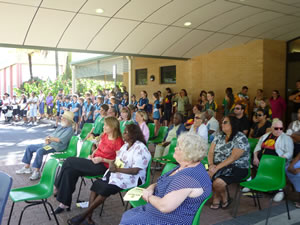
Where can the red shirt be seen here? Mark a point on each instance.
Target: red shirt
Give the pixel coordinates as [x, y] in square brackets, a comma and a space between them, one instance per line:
[107, 148]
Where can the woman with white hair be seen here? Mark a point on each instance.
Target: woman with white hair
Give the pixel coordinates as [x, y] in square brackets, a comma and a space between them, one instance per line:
[177, 195]
[275, 143]
[199, 127]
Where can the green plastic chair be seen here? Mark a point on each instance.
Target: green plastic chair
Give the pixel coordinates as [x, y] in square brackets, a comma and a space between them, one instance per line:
[253, 142]
[270, 177]
[86, 129]
[70, 152]
[169, 157]
[123, 125]
[151, 127]
[36, 194]
[141, 201]
[160, 137]
[196, 220]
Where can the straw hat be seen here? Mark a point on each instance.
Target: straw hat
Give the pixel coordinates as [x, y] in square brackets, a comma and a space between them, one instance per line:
[68, 116]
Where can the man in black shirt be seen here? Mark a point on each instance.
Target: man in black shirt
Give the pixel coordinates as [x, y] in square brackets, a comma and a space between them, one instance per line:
[239, 112]
[295, 98]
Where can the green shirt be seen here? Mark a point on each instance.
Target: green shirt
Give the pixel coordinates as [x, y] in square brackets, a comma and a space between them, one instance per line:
[213, 106]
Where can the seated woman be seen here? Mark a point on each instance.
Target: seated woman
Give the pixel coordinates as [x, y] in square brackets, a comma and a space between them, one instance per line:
[177, 195]
[293, 173]
[173, 132]
[275, 143]
[262, 126]
[135, 156]
[97, 163]
[190, 119]
[199, 127]
[228, 160]
[294, 132]
[141, 117]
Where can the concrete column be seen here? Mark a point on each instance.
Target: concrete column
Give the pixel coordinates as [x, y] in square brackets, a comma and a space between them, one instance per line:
[73, 80]
[129, 77]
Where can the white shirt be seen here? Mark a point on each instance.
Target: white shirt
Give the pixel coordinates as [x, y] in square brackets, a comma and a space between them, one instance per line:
[137, 156]
[33, 101]
[201, 131]
[41, 97]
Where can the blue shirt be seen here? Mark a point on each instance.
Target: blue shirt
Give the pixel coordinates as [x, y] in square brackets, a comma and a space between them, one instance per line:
[97, 107]
[58, 105]
[143, 101]
[124, 103]
[89, 108]
[75, 105]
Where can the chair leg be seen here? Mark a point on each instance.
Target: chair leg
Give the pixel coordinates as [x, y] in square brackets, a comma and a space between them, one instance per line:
[254, 197]
[269, 211]
[237, 203]
[11, 210]
[126, 207]
[258, 202]
[228, 194]
[286, 204]
[122, 199]
[46, 209]
[79, 189]
[102, 209]
[52, 210]
[235, 197]
[43, 164]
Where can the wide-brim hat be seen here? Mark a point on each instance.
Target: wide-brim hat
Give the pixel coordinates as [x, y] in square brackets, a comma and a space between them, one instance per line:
[68, 116]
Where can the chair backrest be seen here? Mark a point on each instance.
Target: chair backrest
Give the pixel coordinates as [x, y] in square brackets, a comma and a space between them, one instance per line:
[253, 143]
[48, 175]
[148, 175]
[151, 127]
[72, 147]
[6, 182]
[168, 167]
[86, 149]
[87, 127]
[272, 167]
[162, 132]
[197, 215]
[172, 147]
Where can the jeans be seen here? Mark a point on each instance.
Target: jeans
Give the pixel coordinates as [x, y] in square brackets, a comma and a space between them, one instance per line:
[40, 152]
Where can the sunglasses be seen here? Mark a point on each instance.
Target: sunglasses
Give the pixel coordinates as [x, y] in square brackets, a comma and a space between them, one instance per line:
[259, 115]
[237, 108]
[278, 128]
[197, 117]
[225, 122]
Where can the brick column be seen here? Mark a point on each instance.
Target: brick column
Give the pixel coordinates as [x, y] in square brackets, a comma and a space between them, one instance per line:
[11, 80]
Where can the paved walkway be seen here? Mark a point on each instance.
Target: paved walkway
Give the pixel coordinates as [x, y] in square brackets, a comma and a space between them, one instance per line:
[14, 139]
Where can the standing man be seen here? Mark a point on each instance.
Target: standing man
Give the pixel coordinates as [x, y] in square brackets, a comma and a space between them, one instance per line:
[242, 98]
[295, 98]
[56, 142]
[32, 102]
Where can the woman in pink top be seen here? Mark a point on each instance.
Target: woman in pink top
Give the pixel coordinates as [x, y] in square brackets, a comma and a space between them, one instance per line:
[278, 105]
[141, 117]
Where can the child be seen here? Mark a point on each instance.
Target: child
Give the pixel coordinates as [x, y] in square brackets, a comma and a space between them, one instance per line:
[81, 102]
[75, 109]
[59, 103]
[133, 100]
[125, 100]
[132, 109]
[156, 113]
[97, 107]
[211, 104]
[114, 105]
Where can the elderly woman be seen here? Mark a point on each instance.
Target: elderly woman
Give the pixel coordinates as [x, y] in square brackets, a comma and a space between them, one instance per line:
[177, 195]
[262, 126]
[97, 163]
[173, 132]
[141, 117]
[293, 173]
[135, 157]
[228, 160]
[275, 143]
[199, 127]
[294, 132]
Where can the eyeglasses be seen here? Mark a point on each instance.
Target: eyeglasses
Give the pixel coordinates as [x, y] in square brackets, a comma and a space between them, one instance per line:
[259, 115]
[225, 122]
[197, 117]
[237, 108]
[278, 128]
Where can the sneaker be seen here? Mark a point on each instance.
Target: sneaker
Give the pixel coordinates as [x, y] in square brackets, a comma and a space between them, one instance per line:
[245, 190]
[278, 197]
[24, 170]
[35, 124]
[36, 175]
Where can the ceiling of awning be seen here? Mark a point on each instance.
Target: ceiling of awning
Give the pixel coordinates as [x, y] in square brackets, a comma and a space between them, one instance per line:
[146, 27]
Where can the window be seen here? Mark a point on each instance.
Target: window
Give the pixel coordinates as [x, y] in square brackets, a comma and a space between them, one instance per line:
[168, 75]
[141, 77]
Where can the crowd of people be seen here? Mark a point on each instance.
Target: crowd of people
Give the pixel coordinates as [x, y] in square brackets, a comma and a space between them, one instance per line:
[177, 194]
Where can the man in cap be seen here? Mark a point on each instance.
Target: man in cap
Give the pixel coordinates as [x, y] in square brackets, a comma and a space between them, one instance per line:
[56, 142]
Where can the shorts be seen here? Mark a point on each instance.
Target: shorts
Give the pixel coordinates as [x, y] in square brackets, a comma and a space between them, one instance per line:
[23, 113]
[49, 110]
[76, 119]
[58, 114]
[167, 115]
[16, 112]
[105, 189]
[33, 112]
[238, 174]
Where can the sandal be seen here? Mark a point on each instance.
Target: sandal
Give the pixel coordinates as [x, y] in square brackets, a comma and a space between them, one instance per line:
[226, 204]
[297, 205]
[86, 222]
[215, 206]
[76, 220]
